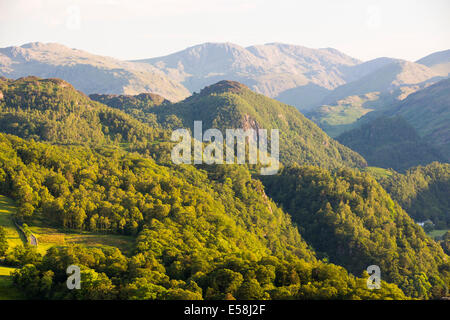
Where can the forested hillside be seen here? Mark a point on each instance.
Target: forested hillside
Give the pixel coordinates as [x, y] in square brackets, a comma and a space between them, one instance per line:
[390, 142]
[199, 234]
[423, 192]
[229, 104]
[348, 217]
[52, 110]
[138, 106]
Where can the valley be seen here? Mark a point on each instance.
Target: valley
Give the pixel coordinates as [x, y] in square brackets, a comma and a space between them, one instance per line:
[88, 172]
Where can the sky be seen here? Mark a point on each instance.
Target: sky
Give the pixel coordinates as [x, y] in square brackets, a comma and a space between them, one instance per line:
[138, 29]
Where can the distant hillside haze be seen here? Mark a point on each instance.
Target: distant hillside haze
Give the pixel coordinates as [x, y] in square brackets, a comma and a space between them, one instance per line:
[428, 111]
[87, 72]
[439, 62]
[385, 84]
[390, 143]
[402, 134]
[385, 77]
[269, 69]
[296, 75]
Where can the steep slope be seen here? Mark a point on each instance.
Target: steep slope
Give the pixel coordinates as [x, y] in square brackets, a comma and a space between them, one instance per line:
[423, 192]
[310, 97]
[87, 72]
[349, 218]
[229, 104]
[390, 143]
[398, 73]
[353, 73]
[428, 111]
[269, 69]
[200, 235]
[439, 62]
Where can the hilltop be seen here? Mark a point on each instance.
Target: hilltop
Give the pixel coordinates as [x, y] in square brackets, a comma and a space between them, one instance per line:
[229, 104]
[53, 110]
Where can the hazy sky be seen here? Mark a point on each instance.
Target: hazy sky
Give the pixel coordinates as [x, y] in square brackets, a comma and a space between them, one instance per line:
[132, 29]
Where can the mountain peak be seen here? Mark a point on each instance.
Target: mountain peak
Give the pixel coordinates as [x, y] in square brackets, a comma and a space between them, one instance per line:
[105, 74]
[45, 46]
[224, 86]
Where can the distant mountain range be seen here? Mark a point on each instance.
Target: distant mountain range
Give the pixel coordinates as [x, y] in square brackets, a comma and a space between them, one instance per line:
[439, 62]
[87, 72]
[385, 78]
[296, 75]
[388, 83]
[270, 69]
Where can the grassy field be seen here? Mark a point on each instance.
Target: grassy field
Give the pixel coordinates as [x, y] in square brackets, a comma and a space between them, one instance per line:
[7, 209]
[7, 291]
[341, 117]
[437, 233]
[49, 237]
[378, 172]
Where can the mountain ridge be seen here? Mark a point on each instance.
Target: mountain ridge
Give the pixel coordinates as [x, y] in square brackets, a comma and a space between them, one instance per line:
[88, 72]
[293, 74]
[438, 61]
[253, 65]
